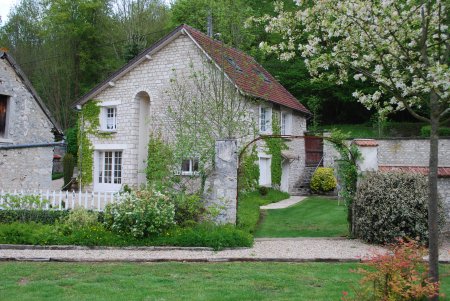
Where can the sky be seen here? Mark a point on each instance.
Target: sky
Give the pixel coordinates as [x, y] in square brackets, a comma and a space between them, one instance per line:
[5, 6]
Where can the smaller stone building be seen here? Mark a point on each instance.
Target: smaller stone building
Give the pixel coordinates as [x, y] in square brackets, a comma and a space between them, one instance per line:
[27, 132]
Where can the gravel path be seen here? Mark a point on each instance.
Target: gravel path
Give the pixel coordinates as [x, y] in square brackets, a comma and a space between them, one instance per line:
[300, 249]
[285, 203]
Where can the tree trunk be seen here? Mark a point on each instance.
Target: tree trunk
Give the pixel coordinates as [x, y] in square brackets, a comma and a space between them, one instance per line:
[433, 192]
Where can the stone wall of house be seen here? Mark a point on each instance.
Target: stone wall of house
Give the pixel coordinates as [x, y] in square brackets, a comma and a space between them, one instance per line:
[178, 60]
[26, 168]
[29, 168]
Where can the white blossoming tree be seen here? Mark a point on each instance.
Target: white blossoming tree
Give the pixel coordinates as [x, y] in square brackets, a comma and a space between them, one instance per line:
[402, 46]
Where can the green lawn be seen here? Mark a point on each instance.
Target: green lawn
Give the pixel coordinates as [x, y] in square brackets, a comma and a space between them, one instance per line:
[248, 207]
[180, 281]
[313, 217]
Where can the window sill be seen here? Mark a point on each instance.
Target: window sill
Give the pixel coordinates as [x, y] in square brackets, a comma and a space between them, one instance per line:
[188, 173]
[6, 140]
[107, 131]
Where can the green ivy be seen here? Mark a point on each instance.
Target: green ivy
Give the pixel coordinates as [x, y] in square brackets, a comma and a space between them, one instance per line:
[249, 171]
[160, 161]
[90, 114]
[275, 146]
[347, 171]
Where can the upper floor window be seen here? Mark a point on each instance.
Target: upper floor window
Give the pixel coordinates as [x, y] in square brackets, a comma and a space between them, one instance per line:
[285, 123]
[189, 166]
[265, 119]
[109, 118]
[3, 115]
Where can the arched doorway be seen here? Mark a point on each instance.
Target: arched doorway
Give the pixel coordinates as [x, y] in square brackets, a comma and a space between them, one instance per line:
[143, 100]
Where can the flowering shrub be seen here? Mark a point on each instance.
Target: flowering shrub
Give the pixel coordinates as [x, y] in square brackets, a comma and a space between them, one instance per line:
[401, 274]
[323, 180]
[80, 218]
[140, 213]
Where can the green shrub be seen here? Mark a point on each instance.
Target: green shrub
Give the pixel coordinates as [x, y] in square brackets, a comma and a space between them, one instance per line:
[263, 190]
[425, 131]
[37, 216]
[80, 218]
[19, 201]
[160, 161]
[392, 205]
[68, 166]
[140, 213]
[199, 235]
[188, 208]
[323, 180]
[57, 175]
[206, 235]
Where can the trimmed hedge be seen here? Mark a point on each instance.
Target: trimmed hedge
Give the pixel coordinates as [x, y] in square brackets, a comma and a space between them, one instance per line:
[392, 205]
[443, 131]
[46, 217]
[37, 216]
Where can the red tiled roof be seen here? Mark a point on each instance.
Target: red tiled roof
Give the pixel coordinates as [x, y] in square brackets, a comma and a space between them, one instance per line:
[365, 142]
[253, 80]
[443, 172]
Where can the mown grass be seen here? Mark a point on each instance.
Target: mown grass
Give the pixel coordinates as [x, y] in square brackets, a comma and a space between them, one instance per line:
[313, 217]
[181, 281]
[248, 207]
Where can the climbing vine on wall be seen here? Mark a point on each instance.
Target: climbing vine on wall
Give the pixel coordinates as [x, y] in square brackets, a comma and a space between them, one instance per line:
[275, 146]
[249, 170]
[88, 124]
[160, 161]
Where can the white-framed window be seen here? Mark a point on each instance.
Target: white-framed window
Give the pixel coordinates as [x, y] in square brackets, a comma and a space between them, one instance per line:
[109, 118]
[189, 166]
[108, 170]
[4, 107]
[285, 124]
[265, 119]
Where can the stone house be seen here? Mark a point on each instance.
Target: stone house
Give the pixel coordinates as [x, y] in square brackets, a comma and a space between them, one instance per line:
[27, 131]
[133, 102]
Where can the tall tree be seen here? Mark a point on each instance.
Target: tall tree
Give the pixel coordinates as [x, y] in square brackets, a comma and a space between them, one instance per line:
[400, 46]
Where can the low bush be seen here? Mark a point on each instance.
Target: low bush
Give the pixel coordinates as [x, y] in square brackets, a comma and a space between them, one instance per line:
[80, 218]
[425, 131]
[189, 208]
[392, 205]
[199, 235]
[19, 201]
[263, 190]
[33, 215]
[323, 180]
[204, 235]
[140, 213]
[398, 275]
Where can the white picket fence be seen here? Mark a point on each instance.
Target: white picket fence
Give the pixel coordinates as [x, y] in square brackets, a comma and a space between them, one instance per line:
[63, 200]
